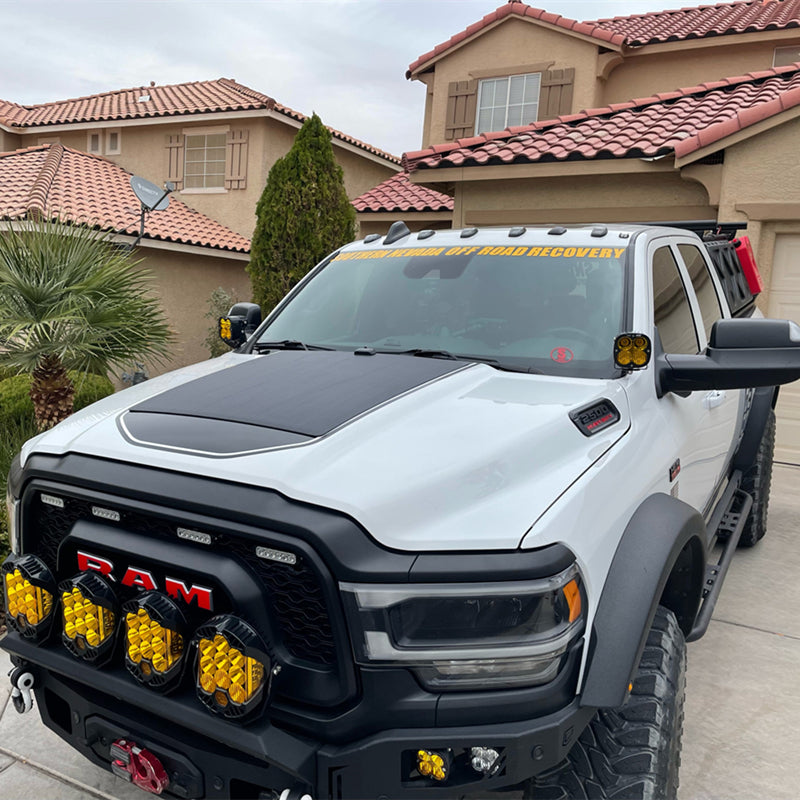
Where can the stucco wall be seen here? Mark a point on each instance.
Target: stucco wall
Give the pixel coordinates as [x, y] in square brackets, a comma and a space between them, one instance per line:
[510, 44]
[763, 173]
[644, 74]
[9, 141]
[184, 283]
[578, 198]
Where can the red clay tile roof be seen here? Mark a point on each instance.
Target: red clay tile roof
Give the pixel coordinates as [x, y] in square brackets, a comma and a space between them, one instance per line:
[399, 194]
[199, 97]
[678, 122]
[697, 22]
[520, 9]
[701, 21]
[57, 181]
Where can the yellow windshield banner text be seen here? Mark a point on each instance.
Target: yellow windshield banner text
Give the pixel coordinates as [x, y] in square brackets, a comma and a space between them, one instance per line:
[490, 250]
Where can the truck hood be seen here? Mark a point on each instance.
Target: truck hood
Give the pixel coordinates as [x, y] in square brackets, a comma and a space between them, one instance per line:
[426, 454]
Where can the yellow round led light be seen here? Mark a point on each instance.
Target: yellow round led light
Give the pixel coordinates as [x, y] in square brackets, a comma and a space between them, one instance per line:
[231, 666]
[89, 618]
[154, 642]
[29, 590]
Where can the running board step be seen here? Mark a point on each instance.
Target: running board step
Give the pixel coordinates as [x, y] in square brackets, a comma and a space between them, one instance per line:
[732, 524]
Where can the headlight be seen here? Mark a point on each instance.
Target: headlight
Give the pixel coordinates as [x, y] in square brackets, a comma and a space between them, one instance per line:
[29, 589]
[468, 636]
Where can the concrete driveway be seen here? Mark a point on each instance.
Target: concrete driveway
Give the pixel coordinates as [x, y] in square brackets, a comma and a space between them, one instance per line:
[742, 729]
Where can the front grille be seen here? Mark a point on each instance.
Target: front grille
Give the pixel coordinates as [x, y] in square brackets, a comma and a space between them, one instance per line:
[293, 591]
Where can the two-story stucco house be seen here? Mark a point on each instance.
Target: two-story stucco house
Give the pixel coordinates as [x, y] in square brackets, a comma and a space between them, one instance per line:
[691, 114]
[215, 140]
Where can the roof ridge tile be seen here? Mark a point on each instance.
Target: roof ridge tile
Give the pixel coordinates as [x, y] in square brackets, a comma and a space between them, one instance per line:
[36, 203]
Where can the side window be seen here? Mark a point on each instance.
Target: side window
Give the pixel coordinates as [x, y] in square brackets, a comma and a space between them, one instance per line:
[703, 286]
[672, 312]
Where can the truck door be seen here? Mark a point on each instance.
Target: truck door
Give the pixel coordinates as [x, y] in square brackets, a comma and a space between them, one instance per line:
[725, 406]
[703, 423]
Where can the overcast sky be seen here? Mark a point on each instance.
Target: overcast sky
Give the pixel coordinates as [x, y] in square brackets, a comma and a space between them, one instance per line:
[344, 59]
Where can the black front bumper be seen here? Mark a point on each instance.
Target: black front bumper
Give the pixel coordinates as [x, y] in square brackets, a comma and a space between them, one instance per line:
[266, 757]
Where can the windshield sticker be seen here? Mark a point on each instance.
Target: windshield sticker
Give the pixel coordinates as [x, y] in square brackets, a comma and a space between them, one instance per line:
[562, 355]
[489, 250]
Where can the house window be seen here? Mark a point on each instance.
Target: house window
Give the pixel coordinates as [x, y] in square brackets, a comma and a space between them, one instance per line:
[784, 56]
[113, 143]
[94, 143]
[205, 161]
[508, 101]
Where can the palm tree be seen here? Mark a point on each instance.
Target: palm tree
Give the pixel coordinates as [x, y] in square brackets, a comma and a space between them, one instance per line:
[70, 299]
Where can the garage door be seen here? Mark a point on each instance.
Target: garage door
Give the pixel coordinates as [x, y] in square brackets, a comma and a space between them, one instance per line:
[784, 303]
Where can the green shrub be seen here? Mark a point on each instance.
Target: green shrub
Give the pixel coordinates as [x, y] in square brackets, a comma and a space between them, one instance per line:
[15, 401]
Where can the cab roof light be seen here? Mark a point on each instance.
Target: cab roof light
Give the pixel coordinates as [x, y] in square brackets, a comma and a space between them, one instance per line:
[89, 617]
[29, 589]
[632, 351]
[155, 641]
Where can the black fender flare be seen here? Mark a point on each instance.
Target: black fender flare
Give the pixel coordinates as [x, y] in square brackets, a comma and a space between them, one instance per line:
[661, 529]
[764, 401]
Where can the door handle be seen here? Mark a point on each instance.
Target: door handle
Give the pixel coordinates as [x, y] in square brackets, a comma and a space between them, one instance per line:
[713, 399]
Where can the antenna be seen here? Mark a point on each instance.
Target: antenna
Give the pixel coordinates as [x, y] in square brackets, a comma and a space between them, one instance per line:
[151, 197]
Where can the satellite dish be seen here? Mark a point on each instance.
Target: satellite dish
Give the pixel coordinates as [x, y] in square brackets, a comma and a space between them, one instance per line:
[152, 197]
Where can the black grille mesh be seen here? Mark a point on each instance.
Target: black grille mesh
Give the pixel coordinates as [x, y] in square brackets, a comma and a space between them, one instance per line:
[294, 591]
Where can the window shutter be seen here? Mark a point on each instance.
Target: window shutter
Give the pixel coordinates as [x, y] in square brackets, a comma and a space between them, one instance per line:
[175, 160]
[462, 100]
[236, 160]
[555, 95]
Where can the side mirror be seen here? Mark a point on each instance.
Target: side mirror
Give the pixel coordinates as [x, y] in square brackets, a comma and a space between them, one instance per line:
[241, 321]
[742, 353]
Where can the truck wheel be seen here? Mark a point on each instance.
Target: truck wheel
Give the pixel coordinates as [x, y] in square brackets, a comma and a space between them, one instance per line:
[756, 482]
[630, 752]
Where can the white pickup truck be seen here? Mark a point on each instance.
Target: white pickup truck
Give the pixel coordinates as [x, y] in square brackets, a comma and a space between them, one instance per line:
[441, 525]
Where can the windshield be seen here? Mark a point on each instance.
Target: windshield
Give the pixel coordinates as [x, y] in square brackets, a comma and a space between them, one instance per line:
[541, 308]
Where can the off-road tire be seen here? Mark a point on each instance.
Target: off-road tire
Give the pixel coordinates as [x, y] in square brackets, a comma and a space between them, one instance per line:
[756, 482]
[632, 752]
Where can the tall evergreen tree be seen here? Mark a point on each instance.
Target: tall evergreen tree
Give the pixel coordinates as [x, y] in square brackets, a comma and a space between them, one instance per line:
[303, 215]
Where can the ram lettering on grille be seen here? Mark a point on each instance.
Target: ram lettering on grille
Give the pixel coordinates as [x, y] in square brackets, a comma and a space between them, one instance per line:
[143, 579]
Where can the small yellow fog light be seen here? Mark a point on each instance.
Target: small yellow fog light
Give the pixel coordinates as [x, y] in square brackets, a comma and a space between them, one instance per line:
[434, 764]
